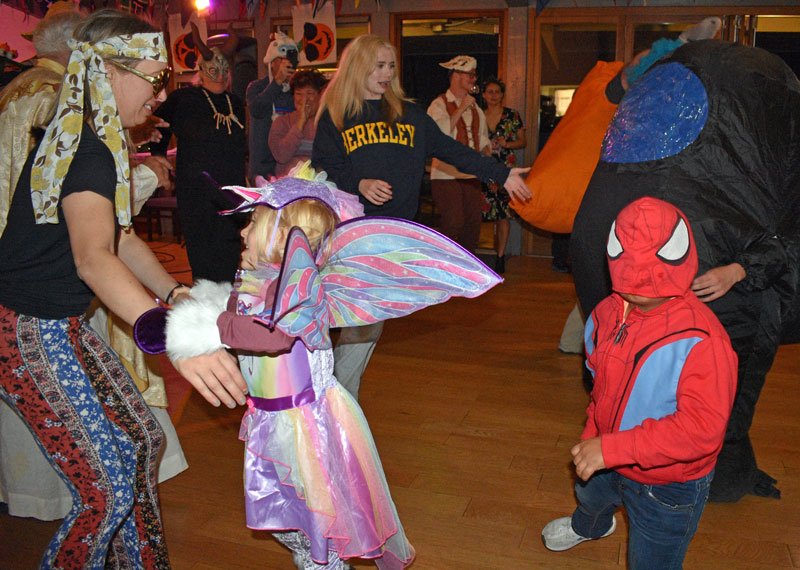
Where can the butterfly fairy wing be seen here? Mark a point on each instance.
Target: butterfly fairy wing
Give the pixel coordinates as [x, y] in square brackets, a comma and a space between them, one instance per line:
[299, 308]
[382, 268]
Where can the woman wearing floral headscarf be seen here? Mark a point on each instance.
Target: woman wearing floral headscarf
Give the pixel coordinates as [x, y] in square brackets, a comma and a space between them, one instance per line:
[68, 239]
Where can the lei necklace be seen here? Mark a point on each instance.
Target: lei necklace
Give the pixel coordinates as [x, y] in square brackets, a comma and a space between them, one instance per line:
[220, 118]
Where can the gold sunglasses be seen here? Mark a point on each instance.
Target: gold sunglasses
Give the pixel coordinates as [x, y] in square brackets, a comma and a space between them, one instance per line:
[158, 81]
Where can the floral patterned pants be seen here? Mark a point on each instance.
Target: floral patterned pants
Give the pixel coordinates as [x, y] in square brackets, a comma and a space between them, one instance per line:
[96, 431]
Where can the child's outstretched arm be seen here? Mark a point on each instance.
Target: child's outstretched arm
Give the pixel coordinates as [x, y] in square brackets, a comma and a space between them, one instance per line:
[243, 332]
[208, 322]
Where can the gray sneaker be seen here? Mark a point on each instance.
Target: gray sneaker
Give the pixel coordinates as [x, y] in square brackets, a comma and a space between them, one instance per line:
[558, 535]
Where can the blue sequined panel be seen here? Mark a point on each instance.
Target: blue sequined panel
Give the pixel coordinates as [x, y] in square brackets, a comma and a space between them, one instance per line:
[661, 114]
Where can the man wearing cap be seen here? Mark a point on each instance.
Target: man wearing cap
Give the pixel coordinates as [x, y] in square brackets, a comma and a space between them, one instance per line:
[268, 98]
[457, 195]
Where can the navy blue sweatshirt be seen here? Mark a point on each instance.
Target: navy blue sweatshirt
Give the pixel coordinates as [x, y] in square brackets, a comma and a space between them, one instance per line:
[368, 147]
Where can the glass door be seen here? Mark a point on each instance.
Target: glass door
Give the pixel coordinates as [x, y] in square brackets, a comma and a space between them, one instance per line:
[425, 41]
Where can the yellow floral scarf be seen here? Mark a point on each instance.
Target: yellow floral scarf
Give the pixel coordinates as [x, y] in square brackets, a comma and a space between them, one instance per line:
[55, 154]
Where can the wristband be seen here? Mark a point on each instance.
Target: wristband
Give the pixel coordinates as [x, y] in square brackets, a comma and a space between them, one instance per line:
[149, 331]
[169, 295]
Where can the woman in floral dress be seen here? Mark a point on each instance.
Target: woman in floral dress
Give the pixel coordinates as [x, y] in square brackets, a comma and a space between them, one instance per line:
[506, 134]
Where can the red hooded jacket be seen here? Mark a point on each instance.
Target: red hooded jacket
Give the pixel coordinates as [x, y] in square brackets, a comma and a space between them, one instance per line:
[664, 379]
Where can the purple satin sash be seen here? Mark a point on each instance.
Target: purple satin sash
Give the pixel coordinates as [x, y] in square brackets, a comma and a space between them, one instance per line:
[282, 403]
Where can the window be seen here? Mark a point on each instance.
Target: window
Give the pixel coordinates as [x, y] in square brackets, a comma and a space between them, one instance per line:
[425, 42]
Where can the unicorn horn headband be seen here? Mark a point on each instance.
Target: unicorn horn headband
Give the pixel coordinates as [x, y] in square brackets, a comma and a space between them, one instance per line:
[302, 183]
[63, 134]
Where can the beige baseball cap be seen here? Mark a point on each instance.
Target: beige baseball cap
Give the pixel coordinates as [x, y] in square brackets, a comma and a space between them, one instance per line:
[464, 63]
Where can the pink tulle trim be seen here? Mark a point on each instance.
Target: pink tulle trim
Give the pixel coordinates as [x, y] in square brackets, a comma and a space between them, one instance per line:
[363, 555]
[344, 541]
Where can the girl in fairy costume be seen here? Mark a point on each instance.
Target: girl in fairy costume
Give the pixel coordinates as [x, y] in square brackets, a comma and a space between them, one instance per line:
[312, 474]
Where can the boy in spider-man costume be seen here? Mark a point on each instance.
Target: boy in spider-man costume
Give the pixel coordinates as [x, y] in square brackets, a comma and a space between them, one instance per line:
[664, 381]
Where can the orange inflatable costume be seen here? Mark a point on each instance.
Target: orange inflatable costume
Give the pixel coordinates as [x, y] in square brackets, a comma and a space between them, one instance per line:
[562, 170]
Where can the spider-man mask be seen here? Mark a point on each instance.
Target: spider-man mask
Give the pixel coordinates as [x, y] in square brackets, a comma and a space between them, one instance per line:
[651, 250]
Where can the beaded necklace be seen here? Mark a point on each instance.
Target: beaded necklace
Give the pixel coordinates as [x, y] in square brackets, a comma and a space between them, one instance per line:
[220, 118]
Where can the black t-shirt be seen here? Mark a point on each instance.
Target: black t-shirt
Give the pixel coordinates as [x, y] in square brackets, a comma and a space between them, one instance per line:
[204, 145]
[37, 271]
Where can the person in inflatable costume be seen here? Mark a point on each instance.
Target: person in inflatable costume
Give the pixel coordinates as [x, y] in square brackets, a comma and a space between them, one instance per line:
[713, 128]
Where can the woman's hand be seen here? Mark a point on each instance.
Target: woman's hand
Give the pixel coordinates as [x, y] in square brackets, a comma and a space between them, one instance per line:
[180, 294]
[377, 192]
[515, 185]
[715, 282]
[148, 131]
[515, 144]
[588, 457]
[215, 376]
[305, 112]
[162, 169]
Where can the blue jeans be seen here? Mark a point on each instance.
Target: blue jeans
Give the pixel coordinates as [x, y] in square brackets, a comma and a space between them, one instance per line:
[663, 518]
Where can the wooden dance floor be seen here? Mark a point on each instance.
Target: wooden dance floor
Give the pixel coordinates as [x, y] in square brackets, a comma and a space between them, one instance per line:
[474, 410]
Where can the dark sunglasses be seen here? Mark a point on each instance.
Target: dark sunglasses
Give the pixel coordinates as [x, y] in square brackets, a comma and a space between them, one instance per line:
[158, 81]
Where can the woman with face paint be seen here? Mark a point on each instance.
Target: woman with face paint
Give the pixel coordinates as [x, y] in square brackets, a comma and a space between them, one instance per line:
[208, 123]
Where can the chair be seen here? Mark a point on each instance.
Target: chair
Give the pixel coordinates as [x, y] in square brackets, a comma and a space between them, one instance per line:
[159, 207]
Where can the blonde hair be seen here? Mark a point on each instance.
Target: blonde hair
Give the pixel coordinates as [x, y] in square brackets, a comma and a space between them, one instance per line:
[344, 96]
[312, 216]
